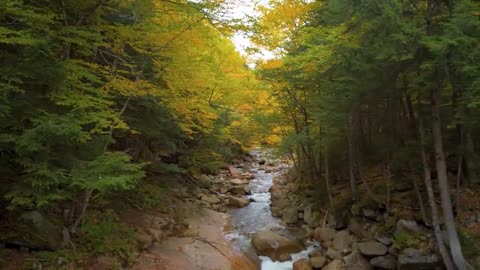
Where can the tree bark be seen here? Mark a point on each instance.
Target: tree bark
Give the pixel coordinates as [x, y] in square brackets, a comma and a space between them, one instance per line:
[351, 160]
[327, 177]
[433, 205]
[455, 247]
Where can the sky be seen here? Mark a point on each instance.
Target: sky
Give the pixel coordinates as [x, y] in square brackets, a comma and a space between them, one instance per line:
[240, 9]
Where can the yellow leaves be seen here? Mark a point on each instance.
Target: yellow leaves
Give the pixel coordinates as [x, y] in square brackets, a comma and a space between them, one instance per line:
[272, 64]
[127, 87]
[280, 20]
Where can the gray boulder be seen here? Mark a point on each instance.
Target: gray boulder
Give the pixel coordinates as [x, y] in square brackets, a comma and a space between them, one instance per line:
[388, 262]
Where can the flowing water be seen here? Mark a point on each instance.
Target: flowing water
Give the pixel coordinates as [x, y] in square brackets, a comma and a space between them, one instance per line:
[257, 217]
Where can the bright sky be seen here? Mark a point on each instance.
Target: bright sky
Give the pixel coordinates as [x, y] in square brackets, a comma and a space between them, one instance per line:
[240, 9]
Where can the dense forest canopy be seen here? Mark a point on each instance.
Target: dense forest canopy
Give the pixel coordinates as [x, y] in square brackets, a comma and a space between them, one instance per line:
[102, 99]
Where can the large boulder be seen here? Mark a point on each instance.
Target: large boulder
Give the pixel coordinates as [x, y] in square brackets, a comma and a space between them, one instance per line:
[318, 261]
[355, 261]
[342, 240]
[302, 264]
[323, 234]
[211, 199]
[388, 262]
[273, 245]
[290, 215]
[237, 202]
[238, 190]
[372, 248]
[413, 259]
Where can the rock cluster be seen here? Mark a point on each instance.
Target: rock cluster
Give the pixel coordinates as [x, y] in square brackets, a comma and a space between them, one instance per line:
[357, 238]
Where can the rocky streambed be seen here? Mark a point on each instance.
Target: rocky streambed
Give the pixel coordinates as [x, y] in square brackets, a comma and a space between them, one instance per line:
[251, 217]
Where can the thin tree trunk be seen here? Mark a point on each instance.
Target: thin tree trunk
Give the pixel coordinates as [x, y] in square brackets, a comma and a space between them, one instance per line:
[455, 247]
[351, 161]
[89, 192]
[327, 177]
[433, 205]
[413, 124]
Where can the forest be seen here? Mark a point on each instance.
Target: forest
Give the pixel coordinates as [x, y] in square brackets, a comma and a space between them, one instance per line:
[113, 108]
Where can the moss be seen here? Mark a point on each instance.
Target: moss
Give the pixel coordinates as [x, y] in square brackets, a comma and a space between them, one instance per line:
[470, 244]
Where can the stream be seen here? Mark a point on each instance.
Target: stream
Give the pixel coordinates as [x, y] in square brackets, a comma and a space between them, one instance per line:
[257, 217]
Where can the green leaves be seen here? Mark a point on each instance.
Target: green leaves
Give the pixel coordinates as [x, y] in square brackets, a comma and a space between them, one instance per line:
[112, 171]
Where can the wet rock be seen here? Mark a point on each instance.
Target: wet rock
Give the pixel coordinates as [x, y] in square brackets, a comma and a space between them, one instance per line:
[302, 264]
[372, 248]
[334, 265]
[210, 199]
[324, 234]
[413, 259]
[237, 202]
[238, 190]
[387, 262]
[342, 240]
[318, 261]
[290, 215]
[273, 245]
[355, 261]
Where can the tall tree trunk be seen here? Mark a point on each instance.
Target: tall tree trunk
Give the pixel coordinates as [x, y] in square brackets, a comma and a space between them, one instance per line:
[433, 205]
[414, 129]
[455, 247]
[327, 177]
[351, 161]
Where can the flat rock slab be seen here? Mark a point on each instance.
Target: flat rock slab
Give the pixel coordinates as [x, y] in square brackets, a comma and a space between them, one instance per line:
[206, 248]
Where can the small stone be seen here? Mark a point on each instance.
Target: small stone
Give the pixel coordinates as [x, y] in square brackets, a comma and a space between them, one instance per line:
[372, 249]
